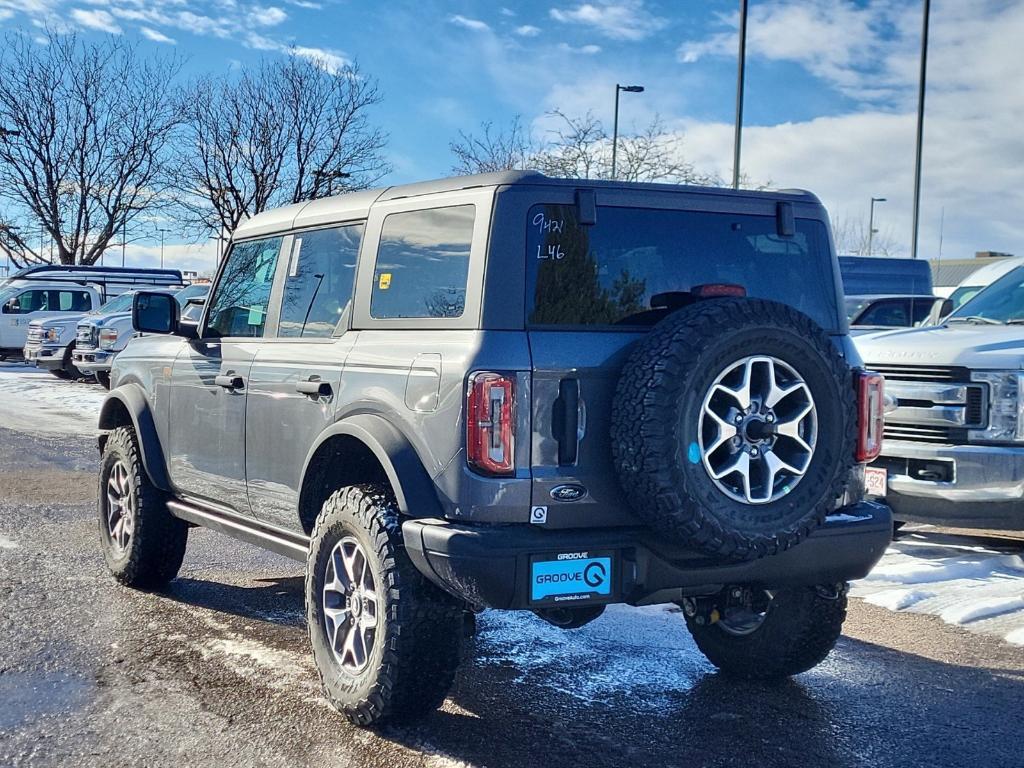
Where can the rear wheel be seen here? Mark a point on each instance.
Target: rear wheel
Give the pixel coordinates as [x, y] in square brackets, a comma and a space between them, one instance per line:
[142, 543]
[757, 634]
[103, 377]
[385, 640]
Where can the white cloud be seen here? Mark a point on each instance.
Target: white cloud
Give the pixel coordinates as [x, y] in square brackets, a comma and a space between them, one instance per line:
[615, 19]
[308, 4]
[267, 17]
[329, 61]
[587, 50]
[507, 12]
[475, 24]
[96, 19]
[5, 14]
[527, 30]
[843, 43]
[156, 36]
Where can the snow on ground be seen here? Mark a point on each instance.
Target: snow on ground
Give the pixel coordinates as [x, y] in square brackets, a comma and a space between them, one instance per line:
[33, 400]
[963, 582]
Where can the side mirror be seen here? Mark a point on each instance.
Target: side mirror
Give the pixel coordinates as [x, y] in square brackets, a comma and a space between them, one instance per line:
[11, 307]
[155, 313]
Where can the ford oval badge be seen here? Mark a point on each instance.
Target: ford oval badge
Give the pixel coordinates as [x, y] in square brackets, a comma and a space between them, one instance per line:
[568, 492]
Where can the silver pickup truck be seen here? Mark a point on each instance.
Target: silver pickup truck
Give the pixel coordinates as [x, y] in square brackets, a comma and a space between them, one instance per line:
[953, 451]
[100, 335]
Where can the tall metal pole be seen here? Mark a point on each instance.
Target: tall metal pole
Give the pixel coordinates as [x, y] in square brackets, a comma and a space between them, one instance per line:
[740, 77]
[124, 238]
[920, 126]
[162, 248]
[871, 222]
[615, 128]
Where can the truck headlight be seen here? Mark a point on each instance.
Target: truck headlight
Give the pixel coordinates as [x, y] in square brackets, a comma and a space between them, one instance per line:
[51, 334]
[108, 338]
[1006, 406]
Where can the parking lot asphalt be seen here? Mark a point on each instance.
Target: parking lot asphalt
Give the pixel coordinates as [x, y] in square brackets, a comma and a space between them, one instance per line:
[216, 670]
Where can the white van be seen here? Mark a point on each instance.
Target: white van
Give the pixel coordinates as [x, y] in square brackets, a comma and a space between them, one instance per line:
[63, 292]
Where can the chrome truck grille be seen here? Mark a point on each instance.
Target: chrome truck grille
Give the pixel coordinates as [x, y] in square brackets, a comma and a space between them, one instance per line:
[932, 404]
[85, 337]
[35, 335]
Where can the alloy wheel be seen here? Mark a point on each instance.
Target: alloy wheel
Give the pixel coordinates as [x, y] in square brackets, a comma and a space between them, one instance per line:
[350, 605]
[757, 430]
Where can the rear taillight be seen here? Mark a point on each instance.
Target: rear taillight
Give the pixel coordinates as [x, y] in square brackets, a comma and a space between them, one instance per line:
[490, 426]
[870, 415]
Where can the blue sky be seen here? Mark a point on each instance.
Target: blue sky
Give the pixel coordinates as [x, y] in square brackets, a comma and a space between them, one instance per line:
[830, 84]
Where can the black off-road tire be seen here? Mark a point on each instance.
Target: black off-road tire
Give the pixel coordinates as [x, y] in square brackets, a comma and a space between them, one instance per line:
[157, 543]
[60, 373]
[103, 377]
[420, 628]
[801, 627]
[655, 423]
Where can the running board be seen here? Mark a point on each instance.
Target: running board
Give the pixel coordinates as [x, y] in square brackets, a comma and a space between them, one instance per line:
[287, 543]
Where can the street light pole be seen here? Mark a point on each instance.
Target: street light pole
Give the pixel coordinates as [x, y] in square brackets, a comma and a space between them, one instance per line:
[615, 123]
[920, 126]
[741, 73]
[162, 232]
[871, 221]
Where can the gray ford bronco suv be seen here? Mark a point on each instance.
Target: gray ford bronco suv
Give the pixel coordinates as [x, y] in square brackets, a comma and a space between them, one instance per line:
[510, 392]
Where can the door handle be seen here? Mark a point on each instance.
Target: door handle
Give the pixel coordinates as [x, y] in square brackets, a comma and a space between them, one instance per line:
[565, 421]
[230, 381]
[314, 386]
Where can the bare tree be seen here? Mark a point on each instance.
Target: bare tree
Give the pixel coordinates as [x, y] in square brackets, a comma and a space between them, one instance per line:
[493, 150]
[288, 131]
[851, 237]
[580, 148]
[85, 130]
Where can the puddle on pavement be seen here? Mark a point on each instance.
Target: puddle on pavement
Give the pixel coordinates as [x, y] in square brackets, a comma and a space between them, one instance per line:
[26, 696]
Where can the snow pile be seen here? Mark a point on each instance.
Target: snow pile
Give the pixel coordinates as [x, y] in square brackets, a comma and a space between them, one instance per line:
[33, 400]
[961, 582]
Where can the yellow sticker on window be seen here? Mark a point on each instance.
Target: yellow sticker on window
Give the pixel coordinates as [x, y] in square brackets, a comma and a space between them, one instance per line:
[385, 281]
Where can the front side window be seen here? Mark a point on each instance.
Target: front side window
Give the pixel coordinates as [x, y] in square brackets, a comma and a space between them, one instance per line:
[33, 301]
[240, 300]
[635, 265]
[423, 263]
[318, 287]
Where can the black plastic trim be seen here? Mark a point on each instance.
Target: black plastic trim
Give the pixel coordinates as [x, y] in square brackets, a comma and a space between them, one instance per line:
[488, 565]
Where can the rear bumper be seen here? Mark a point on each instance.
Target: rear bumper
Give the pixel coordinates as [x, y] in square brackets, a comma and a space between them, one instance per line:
[490, 565]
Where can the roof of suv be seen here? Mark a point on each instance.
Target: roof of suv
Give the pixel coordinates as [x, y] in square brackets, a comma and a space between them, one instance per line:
[356, 205]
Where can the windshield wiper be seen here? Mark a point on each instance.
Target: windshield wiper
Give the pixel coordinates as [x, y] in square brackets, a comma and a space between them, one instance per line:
[1015, 321]
[975, 320]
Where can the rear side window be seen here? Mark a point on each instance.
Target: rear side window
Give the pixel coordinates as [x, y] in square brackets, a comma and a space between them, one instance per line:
[73, 301]
[423, 263]
[318, 286]
[240, 299]
[637, 264]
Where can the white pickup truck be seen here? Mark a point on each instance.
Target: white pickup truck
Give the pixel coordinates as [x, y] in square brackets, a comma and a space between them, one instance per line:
[953, 450]
[40, 307]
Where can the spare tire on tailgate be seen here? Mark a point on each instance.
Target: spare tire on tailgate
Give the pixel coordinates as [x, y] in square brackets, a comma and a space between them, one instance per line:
[734, 427]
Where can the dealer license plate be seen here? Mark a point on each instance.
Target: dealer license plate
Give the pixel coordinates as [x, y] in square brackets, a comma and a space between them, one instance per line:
[571, 577]
[875, 481]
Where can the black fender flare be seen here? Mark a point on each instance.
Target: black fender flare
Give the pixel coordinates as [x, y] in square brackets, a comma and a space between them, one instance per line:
[414, 490]
[132, 398]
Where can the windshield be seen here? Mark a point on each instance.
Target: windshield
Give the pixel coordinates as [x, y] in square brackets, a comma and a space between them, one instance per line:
[122, 303]
[1001, 302]
[963, 294]
[191, 292]
[854, 306]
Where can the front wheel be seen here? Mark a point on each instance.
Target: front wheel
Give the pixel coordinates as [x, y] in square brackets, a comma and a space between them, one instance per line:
[762, 635]
[386, 642]
[143, 544]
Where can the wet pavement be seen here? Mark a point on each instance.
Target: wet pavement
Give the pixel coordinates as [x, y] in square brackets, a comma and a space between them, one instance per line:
[216, 670]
